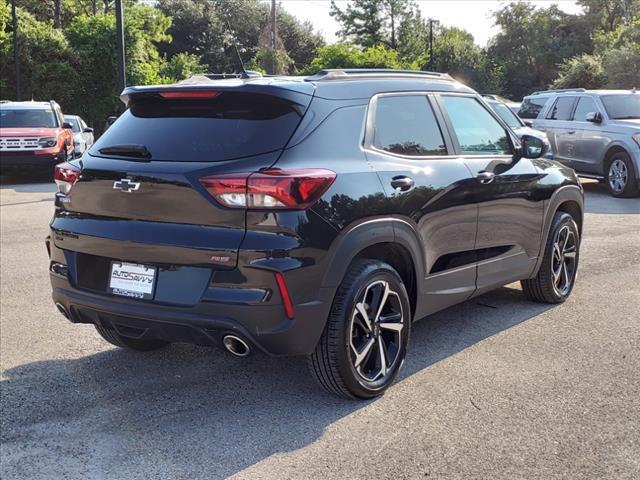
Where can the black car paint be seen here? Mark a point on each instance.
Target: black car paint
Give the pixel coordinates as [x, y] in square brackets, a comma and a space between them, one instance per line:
[216, 265]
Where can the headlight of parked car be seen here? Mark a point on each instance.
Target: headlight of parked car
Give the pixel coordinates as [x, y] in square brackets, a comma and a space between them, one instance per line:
[636, 138]
[48, 142]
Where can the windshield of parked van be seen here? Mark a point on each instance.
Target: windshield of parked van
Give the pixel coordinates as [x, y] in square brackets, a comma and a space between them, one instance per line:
[622, 107]
[231, 125]
[506, 114]
[27, 118]
[75, 126]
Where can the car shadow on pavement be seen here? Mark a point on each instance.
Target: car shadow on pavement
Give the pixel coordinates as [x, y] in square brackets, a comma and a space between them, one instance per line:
[598, 200]
[192, 412]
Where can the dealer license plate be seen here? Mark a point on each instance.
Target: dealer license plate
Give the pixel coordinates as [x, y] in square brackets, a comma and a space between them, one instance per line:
[132, 280]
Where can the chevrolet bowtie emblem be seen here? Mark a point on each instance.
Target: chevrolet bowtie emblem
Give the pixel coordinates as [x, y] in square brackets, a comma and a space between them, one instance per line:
[126, 185]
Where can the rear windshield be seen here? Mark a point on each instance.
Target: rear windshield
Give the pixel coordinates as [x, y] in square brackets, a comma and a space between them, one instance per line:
[27, 118]
[531, 107]
[231, 125]
[621, 107]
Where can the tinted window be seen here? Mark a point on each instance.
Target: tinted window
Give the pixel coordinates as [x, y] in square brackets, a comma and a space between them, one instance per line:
[506, 114]
[27, 118]
[561, 109]
[477, 131]
[232, 125]
[585, 105]
[407, 126]
[531, 107]
[622, 106]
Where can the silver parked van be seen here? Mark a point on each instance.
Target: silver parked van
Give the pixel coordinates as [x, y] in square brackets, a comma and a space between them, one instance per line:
[596, 132]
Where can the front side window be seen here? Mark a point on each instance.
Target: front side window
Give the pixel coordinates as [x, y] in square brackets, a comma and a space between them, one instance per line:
[406, 125]
[585, 105]
[531, 107]
[477, 131]
[561, 109]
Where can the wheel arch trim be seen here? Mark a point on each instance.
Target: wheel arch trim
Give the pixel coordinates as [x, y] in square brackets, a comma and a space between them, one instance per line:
[366, 234]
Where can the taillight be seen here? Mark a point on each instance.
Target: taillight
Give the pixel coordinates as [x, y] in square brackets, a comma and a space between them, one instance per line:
[65, 176]
[190, 95]
[270, 189]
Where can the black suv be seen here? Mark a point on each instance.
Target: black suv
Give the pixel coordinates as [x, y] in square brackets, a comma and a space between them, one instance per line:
[313, 216]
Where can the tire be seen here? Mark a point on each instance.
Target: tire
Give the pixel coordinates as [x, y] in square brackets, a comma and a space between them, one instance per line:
[348, 358]
[118, 340]
[621, 178]
[557, 274]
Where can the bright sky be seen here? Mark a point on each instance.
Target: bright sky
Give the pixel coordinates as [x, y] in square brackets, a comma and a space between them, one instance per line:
[471, 15]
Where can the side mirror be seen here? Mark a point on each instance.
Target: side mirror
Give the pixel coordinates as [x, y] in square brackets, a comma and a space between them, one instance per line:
[532, 147]
[67, 125]
[88, 130]
[594, 117]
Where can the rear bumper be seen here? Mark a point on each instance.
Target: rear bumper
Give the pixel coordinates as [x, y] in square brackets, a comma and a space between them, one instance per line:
[14, 163]
[264, 327]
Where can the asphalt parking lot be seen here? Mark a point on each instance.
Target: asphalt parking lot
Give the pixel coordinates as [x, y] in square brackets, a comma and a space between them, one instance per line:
[497, 387]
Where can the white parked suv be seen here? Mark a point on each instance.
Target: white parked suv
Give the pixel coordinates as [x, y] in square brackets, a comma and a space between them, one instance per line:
[595, 132]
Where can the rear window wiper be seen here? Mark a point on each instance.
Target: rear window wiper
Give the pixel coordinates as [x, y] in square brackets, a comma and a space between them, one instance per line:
[138, 151]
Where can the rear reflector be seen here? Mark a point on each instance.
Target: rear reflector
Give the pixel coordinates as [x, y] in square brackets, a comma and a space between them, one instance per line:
[284, 293]
[272, 189]
[65, 176]
[190, 95]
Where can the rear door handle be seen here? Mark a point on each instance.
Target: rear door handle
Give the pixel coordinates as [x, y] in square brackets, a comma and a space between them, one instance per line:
[571, 132]
[485, 177]
[402, 183]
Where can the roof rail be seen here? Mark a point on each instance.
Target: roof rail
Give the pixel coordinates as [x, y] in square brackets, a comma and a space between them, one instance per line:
[560, 90]
[361, 73]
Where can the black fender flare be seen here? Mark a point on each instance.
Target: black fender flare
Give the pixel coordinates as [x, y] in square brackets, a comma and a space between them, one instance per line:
[567, 193]
[357, 237]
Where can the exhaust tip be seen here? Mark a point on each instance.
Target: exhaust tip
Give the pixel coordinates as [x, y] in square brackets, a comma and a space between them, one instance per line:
[62, 310]
[236, 346]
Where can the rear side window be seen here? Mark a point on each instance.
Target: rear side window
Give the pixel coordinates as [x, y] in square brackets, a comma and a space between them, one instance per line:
[477, 131]
[231, 125]
[585, 105]
[531, 107]
[561, 109]
[406, 125]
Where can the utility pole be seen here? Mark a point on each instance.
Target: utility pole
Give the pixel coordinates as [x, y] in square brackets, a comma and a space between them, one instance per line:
[16, 50]
[431, 23]
[274, 36]
[57, 16]
[122, 74]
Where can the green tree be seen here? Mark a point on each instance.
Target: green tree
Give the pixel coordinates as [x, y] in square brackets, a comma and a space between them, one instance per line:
[343, 55]
[264, 60]
[584, 71]
[607, 15]
[46, 61]
[372, 22]
[615, 62]
[532, 42]
[212, 29]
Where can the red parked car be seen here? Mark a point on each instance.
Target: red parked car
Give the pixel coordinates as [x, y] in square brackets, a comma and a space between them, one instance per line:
[33, 137]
